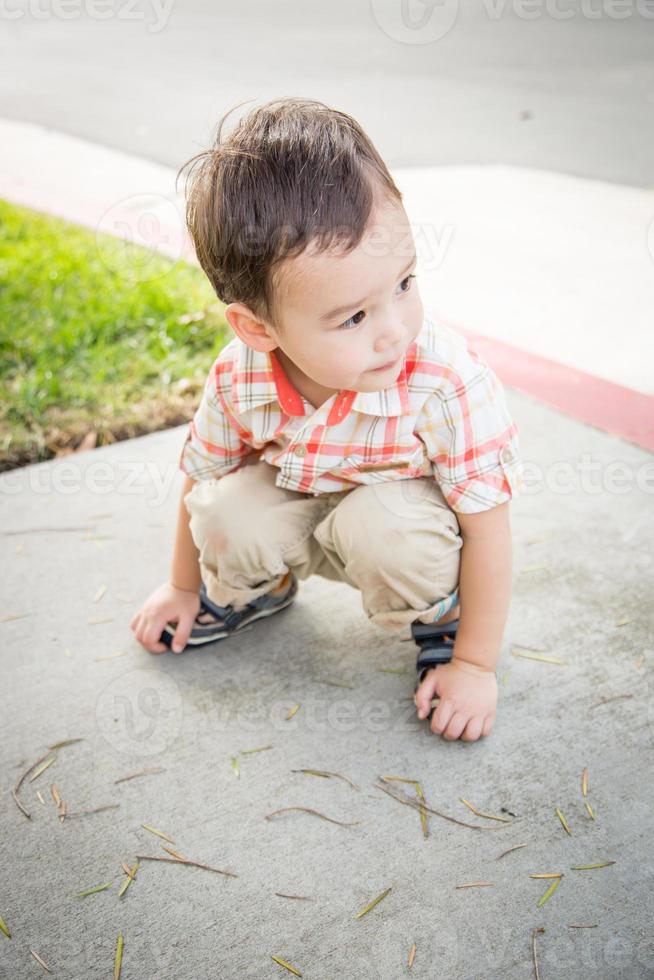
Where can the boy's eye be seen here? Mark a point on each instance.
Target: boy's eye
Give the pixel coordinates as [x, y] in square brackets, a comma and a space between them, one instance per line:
[353, 322]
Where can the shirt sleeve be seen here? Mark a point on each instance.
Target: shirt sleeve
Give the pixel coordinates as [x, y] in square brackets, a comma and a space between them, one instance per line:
[215, 442]
[471, 439]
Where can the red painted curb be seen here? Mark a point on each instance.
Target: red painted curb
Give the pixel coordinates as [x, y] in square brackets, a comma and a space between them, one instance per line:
[607, 406]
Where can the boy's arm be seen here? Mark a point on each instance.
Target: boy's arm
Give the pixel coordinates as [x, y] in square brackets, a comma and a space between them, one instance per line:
[484, 585]
[185, 568]
[467, 687]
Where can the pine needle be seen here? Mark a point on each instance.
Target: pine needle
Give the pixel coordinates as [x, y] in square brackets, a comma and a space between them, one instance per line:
[234, 764]
[477, 884]
[54, 792]
[95, 809]
[534, 568]
[5, 928]
[545, 897]
[614, 697]
[306, 809]
[393, 670]
[623, 622]
[303, 898]
[40, 961]
[516, 847]
[39, 797]
[584, 782]
[293, 711]
[175, 854]
[581, 925]
[94, 890]
[118, 959]
[423, 812]
[11, 616]
[564, 822]
[141, 772]
[417, 805]
[44, 765]
[324, 680]
[326, 774]
[487, 816]
[98, 595]
[372, 904]
[66, 741]
[538, 657]
[591, 867]
[548, 874]
[128, 880]
[287, 966]
[535, 933]
[591, 812]
[263, 748]
[96, 620]
[179, 860]
[15, 791]
[158, 833]
[411, 957]
[419, 793]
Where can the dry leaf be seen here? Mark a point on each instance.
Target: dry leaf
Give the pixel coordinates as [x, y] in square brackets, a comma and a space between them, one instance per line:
[538, 657]
[372, 904]
[118, 959]
[564, 822]
[592, 867]
[158, 833]
[306, 809]
[40, 961]
[545, 897]
[287, 966]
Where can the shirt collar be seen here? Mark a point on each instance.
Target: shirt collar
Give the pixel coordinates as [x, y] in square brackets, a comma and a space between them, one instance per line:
[259, 379]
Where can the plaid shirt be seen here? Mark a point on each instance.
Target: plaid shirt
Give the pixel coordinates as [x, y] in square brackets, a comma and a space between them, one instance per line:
[444, 416]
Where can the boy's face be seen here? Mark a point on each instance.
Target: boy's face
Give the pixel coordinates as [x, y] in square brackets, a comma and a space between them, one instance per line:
[343, 317]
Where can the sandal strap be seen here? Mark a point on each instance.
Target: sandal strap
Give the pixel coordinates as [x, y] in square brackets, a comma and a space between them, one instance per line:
[436, 644]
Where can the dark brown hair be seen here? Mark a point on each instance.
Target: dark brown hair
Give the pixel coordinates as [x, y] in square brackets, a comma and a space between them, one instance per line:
[292, 172]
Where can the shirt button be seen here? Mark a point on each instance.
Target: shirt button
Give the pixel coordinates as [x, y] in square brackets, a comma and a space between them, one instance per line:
[300, 450]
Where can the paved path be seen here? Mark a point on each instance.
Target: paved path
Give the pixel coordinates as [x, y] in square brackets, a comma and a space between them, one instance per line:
[85, 538]
[583, 561]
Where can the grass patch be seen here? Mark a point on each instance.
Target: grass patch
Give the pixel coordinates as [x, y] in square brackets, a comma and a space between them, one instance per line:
[100, 340]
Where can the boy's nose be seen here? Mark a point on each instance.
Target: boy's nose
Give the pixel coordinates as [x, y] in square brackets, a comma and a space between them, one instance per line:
[391, 340]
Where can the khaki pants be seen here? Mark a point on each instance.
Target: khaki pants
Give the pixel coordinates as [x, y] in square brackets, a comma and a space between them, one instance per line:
[397, 542]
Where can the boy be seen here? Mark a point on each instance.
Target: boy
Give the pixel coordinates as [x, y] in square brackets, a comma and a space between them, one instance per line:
[341, 432]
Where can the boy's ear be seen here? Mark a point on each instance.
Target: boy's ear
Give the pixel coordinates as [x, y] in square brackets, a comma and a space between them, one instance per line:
[252, 331]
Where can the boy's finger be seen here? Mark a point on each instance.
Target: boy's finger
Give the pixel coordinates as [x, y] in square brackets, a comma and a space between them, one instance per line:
[182, 633]
[473, 729]
[441, 717]
[488, 724]
[423, 696]
[455, 726]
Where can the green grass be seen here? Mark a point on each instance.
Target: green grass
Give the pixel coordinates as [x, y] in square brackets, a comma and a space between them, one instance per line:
[99, 339]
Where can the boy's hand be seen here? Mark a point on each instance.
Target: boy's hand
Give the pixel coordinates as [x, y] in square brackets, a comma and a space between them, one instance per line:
[167, 604]
[468, 699]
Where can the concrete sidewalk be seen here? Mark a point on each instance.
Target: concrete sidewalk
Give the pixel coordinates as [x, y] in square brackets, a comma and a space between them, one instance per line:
[583, 564]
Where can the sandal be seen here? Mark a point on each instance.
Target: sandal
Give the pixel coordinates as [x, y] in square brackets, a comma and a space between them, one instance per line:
[223, 621]
[436, 645]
